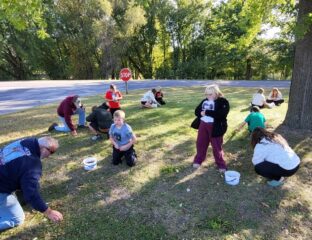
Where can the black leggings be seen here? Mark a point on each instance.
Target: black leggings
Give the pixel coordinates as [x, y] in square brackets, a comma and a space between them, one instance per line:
[273, 171]
[276, 102]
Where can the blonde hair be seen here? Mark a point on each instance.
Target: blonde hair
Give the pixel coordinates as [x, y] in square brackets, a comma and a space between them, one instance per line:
[213, 88]
[48, 142]
[120, 113]
[260, 90]
[277, 92]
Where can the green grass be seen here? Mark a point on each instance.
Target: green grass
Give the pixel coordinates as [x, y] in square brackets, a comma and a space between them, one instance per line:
[163, 197]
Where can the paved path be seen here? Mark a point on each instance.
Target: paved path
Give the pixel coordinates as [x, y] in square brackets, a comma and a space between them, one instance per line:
[19, 95]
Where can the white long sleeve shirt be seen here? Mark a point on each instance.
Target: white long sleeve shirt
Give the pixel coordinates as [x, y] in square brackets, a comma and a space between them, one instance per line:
[148, 97]
[272, 152]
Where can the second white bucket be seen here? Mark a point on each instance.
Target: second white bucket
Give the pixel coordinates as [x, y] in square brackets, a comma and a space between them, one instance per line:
[232, 177]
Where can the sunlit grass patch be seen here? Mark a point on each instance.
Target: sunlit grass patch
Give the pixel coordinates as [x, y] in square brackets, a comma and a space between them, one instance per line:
[163, 197]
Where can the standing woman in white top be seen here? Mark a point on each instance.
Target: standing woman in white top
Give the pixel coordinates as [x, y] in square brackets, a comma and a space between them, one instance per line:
[275, 97]
[273, 158]
[258, 100]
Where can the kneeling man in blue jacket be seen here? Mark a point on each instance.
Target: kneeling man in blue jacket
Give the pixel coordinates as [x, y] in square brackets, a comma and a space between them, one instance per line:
[21, 169]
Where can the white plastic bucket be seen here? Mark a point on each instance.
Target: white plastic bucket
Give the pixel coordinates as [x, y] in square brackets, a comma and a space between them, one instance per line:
[89, 163]
[232, 177]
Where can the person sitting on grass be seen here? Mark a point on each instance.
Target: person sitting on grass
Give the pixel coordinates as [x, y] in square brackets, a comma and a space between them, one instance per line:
[100, 120]
[21, 169]
[258, 99]
[123, 139]
[272, 157]
[159, 96]
[254, 119]
[69, 106]
[148, 100]
[275, 97]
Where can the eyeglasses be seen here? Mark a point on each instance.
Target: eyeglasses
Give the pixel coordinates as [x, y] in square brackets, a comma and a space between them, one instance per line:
[49, 150]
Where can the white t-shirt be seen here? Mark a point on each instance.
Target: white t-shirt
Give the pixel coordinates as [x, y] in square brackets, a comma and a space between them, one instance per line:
[279, 96]
[148, 97]
[258, 99]
[208, 105]
[272, 152]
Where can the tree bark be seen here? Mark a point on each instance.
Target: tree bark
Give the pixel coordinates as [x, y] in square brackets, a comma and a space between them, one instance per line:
[299, 114]
[248, 74]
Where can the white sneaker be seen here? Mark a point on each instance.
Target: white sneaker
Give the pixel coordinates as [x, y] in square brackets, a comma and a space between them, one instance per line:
[271, 105]
[94, 138]
[196, 165]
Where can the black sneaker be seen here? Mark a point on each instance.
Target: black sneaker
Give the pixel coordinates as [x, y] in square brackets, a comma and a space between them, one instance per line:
[52, 127]
[81, 127]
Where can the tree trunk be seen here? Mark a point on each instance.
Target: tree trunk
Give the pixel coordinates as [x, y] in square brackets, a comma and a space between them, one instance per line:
[299, 114]
[248, 74]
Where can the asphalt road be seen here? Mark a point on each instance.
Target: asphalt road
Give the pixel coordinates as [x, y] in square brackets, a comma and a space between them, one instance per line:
[19, 95]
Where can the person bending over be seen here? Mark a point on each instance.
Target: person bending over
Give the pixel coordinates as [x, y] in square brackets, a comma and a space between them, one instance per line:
[272, 157]
[21, 169]
[69, 106]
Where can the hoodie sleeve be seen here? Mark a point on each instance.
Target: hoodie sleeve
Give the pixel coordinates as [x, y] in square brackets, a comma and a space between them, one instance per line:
[259, 154]
[198, 110]
[30, 188]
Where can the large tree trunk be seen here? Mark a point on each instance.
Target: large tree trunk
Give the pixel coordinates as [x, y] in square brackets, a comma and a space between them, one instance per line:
[299, 114]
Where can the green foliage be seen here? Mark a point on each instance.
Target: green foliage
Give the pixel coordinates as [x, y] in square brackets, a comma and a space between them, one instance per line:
[188, 39]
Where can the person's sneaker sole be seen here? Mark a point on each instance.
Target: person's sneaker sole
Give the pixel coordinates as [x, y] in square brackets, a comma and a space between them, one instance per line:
[52, 127]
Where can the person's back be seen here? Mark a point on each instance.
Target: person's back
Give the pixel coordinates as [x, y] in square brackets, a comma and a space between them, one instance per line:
[103, 117]
[21, 168]
[255, 119]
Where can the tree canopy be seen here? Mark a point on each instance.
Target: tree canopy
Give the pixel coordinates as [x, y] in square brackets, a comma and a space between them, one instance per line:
[189, 39]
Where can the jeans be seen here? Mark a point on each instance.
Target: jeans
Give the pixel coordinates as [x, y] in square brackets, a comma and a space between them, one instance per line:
[81, 121]
[11, 212]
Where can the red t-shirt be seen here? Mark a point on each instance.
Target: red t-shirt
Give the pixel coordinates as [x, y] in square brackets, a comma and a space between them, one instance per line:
[110, 97]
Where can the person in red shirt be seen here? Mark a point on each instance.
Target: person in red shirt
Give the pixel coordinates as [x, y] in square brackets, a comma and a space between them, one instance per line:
[113, 96]
[69, 106]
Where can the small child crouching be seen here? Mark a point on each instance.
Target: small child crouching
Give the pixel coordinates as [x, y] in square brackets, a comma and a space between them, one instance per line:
[122, 138]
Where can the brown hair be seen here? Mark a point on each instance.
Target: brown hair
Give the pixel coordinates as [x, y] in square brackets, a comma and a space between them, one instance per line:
[259, 133]
[260, 90]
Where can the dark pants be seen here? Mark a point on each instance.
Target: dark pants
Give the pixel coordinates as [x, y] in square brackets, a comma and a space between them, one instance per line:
[273, 171]
[276, 102]
[112, 110]
[160, 101]
[130, 156]
[253, 105]
[203, 139]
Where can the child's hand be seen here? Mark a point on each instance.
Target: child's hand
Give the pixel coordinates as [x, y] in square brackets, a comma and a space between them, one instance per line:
[116, 146]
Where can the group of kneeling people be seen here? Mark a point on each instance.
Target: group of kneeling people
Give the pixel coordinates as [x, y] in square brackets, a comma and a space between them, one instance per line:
[21, 167]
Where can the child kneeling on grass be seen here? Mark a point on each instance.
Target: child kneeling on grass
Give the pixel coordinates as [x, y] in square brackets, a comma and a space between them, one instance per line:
[254, 119]
[122, 138]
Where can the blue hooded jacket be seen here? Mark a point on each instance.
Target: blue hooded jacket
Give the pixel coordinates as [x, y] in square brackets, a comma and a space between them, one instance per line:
[21, 168]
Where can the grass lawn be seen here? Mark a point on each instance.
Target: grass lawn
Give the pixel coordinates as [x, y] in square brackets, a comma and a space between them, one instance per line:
[163, 197]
